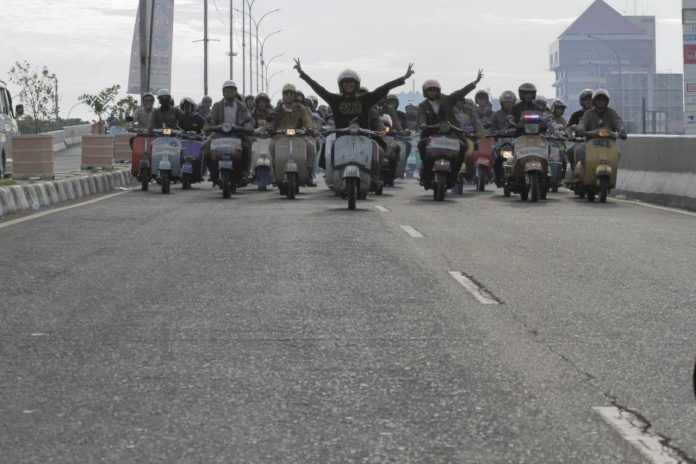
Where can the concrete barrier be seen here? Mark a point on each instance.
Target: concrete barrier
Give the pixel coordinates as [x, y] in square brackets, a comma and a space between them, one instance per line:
[73, 134]
[97, 151]
[32, 156]
[122, 149]
[58, 140]
[658, 169]
[17, 198]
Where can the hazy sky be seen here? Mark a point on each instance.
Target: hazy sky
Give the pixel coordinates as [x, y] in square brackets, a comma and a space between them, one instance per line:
[87, 43]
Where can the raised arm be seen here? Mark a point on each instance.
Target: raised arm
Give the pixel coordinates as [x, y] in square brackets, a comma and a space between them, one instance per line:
[461, 93]
[321, 91]
[373, 97]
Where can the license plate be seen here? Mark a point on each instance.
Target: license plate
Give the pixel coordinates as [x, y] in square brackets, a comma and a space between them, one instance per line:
[444, 143]
[226, 145]
[187, 168]
[225, 165]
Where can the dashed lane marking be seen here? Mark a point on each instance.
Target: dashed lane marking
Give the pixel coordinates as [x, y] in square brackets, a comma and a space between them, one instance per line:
[382, 209]
[14, 222]
[412, 232]
[633, 430]
[481, 294]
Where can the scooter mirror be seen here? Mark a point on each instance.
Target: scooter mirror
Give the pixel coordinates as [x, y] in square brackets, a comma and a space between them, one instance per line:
[19, 110]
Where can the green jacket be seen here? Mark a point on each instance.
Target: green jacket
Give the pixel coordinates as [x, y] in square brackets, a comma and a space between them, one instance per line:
[297, 118]
[592, 120]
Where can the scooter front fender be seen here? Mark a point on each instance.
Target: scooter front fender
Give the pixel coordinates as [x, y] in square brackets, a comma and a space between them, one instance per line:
[351, 172]
[442, 165]
[291, 168]
[603, 170]
[165, 165]
[532, 166]
[187, 168]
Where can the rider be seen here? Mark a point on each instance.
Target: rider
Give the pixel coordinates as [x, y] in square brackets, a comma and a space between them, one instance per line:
[541, 104]
[348, 105]
[229, 109]
[262, 110]
[484, 108]
[585, 99]
[558, 107]
[435, 108]
[600, 116]
[204, 107]
[500, 123]
[393, 101]
[527, 93]
[166, 115]
[294, 115]
[383, 108]
[141, 116]
[192, 122]
[250, 101]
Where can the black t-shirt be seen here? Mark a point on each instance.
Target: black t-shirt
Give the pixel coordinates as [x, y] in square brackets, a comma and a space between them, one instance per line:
[576, 117]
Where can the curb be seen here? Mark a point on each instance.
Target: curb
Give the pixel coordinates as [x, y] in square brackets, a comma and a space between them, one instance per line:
[18, 198]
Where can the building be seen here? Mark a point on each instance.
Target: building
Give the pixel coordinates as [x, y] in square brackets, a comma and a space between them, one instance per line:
[603, 48]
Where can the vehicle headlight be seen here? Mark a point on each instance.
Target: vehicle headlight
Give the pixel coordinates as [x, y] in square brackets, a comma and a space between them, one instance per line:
[166, 131]
[226, 127]
[506, 154]
[290, 132]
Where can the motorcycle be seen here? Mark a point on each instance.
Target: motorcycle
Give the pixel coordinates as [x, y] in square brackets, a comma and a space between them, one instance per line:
[141, 157]
[226, 157]
[504, 148]
[598, 175]
[527, 171]
[290, 161]
[441, 152]
[353, 162]
[261, 163]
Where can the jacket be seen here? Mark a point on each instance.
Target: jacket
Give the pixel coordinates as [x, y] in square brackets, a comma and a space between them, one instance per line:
[428, 116]
[609, 119]
[217, 114]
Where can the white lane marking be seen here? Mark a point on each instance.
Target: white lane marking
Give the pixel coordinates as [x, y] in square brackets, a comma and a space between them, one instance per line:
[382, 209]
[631, 429]
[58, 210]
[481, 294]
[663, 208]
[412, 232]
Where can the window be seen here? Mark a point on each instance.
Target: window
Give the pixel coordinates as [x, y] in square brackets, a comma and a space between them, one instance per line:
[4, 106]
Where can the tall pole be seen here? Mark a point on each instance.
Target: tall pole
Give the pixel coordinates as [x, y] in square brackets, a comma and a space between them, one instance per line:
[231, 40]
[142, 26]
[251, 78]
[56, 110]
[263, 43]
[243, 47]
[267, 65]
[205, 47]
[149, 42]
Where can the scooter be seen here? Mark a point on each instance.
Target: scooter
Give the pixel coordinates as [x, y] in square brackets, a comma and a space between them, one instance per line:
[354, 162]
[290, 161]
[442, 150]
[191, 161]
[261, 163]
[226, 157]
[598, 175]
[141, 157]
[483, 162]
[505, 146]
[392, 158]
[527, 170]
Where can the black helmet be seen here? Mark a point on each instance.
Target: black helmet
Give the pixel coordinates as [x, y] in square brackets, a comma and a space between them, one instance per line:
[482, 94]
[527, 88]
[585, 94]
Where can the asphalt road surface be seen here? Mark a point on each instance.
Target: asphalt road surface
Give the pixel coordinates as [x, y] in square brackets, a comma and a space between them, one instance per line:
[190, 329]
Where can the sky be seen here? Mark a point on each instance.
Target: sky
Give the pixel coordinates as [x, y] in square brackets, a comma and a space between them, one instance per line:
[87, 43]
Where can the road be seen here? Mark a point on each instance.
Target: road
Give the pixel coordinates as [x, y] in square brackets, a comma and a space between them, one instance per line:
[188, 328]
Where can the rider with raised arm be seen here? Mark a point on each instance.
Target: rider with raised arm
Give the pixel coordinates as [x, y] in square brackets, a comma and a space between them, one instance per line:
[348, 104]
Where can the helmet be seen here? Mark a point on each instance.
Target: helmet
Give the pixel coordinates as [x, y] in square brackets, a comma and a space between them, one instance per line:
[431, 84]
[314, 99]
[391, 96]
[470, 103]
[600, 93]
[482, 94]
[584, 94]
[289, 88]
[308, 103]
[387, 120]
[188, 100]
[540, 99]
[163, 93]
[249, 97]
[348, 74]
[527, 88]
[299, 93]
[148, 94]
[558, 103]
[229, 83]
[263, 96]
[508, 96]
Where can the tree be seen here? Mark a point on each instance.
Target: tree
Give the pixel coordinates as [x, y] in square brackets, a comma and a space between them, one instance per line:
[37, 92]
[125, 107]
[101, 102]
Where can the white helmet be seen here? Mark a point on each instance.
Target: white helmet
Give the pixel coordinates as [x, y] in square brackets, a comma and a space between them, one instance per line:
[229, 83]
[348, 74]
[431, 84]
[163, 93]
[387, 120]
[600, 92]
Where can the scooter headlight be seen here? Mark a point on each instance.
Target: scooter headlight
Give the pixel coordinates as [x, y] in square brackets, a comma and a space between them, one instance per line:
[166, 131]
[444, 127]
[226, 127]
[506, 154]
[290, 132]
[354, 129]
[603, 133]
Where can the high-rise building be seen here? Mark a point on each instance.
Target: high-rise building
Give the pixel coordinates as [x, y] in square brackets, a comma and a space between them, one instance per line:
[603, 48]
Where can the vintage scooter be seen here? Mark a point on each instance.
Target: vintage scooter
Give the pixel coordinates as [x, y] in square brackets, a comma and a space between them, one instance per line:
[557, 139]
[483, 163]
[441, 151]
[392, 157]
[353, 162]
[526, 172]
[598, 175]
[290, 161]
[261, 162]
[141, 157]
[191, 161]
[226, 157]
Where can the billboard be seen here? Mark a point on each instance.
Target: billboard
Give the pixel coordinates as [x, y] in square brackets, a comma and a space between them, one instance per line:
[161, 57]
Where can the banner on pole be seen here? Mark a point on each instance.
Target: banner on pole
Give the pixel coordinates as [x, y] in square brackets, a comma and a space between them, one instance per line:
[162, 38]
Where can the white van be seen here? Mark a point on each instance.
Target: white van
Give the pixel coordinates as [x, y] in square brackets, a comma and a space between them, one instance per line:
[8, 124]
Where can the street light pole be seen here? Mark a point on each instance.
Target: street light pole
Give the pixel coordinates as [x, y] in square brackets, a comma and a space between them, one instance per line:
[257, 24]
[250, 4]
[268, 64]
[272, 76]
[243, 47]
[232, 40]
[618, 62]
[263, 42]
